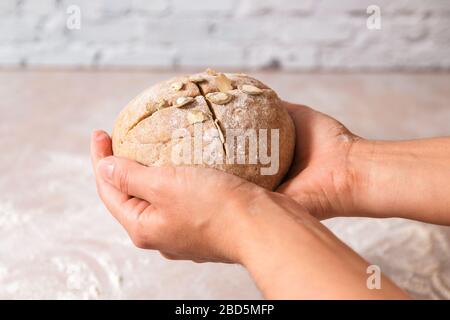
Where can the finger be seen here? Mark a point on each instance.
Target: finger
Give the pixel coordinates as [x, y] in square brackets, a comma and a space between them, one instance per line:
[123, 207]
[285, 188]
[293, 108]
[134, 179]
[100, 146]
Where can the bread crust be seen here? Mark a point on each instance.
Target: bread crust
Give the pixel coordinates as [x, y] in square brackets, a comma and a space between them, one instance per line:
[144, 129]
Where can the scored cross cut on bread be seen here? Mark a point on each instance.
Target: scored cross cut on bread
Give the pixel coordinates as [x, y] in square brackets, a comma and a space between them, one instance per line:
[214, 106]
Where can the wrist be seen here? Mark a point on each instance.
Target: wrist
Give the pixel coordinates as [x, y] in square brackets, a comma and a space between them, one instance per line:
[345, 186]
[270, 246]
[361, 166]
[238, 212]
[267, 221]
[248, 218]
[377, 169]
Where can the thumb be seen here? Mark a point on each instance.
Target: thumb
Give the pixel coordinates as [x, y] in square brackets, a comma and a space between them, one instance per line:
[134, 179]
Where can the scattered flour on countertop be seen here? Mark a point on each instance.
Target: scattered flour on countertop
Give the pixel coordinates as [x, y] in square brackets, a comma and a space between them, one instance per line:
[79, 279]
[10, 218]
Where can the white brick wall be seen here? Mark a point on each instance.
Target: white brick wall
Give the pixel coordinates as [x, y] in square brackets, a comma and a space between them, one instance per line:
[238, 34]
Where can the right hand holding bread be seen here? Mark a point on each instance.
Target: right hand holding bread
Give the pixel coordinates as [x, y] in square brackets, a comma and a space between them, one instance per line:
[188, 213]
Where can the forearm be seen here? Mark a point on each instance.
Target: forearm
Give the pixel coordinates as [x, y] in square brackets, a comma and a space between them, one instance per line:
[298, 258]
[408, 179]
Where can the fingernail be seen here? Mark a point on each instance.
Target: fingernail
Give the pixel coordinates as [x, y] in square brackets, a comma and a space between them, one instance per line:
[98, 135]
[106, 168]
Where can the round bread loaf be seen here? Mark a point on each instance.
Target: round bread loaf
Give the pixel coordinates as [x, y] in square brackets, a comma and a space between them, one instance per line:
[230, 122]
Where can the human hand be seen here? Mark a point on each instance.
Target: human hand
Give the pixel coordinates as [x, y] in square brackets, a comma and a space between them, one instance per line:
[336, 173]
[185, 213]
[208, 215]
[321, 177]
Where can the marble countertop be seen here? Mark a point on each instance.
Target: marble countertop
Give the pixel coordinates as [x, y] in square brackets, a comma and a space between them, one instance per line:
[57, 240]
